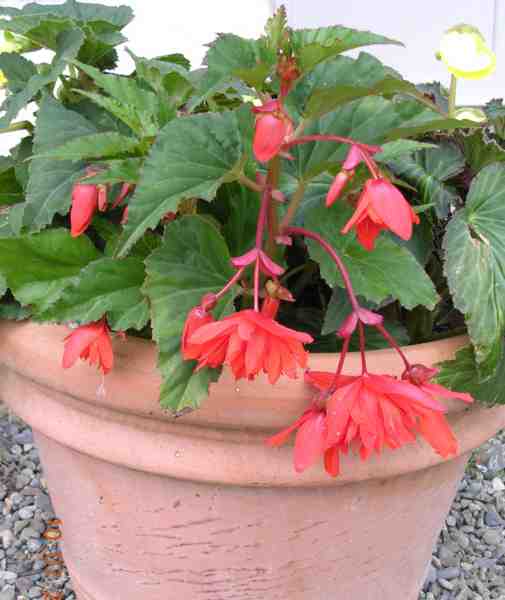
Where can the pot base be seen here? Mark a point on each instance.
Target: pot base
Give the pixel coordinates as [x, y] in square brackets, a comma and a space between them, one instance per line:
[155, 537]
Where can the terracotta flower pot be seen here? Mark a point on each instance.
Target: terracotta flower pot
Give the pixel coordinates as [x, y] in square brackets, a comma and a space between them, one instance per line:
[198, 507]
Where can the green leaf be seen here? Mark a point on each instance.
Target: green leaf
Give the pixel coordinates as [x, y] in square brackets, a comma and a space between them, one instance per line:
[237, 208]
[398, 148]
[192, 157]
[118, 171]
[312, 46]
[96, 145]
[462, 375]
[428, 170]
[10, 190]
[102, 287]
[481, 151]
[368, 120]
[68, 44]
[50, 185]
[474, 257]
[17, 69]
[387, 271]
[52, 260]
[192, 261]
[231, 56]
[126, 100]
[427, 126]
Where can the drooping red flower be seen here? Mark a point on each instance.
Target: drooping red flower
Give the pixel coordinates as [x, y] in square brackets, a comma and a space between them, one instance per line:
[381, 206]
[85, 198]
[310, 441]
[273, 127]
[91, 342]
[248, 342]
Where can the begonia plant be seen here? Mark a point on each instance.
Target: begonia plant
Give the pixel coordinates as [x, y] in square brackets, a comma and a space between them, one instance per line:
[284, 199]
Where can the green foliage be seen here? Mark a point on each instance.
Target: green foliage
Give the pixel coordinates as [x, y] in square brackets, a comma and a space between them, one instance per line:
[191, 158]
[52, 261]
[462, 375]
[428, 170]
[95, 145]
[192, 261]
[104, 286]
[474, 258]
[388, 271]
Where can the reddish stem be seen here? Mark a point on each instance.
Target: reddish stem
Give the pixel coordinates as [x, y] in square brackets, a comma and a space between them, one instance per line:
[340, 366]
[362, 347]
[393, 344]
[334, 256]
[304, 139]
[230, 283]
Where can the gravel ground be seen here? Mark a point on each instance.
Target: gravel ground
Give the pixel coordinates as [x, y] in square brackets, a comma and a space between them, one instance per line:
[467, 564]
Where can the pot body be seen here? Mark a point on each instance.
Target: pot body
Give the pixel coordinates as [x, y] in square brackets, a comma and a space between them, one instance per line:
[157, 508]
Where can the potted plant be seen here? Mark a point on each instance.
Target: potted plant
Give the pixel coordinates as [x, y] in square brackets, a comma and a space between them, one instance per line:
[305, 243]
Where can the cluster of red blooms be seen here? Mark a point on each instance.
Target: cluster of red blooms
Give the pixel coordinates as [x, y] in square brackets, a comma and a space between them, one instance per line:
[365, 412]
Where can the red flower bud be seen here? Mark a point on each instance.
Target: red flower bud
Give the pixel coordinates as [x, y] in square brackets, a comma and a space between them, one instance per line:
[84, 206]
[337, 186]
[273, 126]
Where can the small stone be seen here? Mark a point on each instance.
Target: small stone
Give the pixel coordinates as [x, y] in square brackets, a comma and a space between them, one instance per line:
[29, 532]
[431, 577]
[19, 526]
[449, 573]
[33, 545]
[16, 450]
[8, 576]
[23, 437]
[451, 521]
[492, 518]
[22, 481]
[447, 585]
[461, 539]
[498, 485]
[43, 502]
[34, 592]
[7, 538]
[26, 512]
[38, 525]
[8, 594]
[492, 537]
[3, 491]
[447, 557]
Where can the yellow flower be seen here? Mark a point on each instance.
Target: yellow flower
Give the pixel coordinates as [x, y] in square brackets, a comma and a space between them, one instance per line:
[3, 80]
[465, 53]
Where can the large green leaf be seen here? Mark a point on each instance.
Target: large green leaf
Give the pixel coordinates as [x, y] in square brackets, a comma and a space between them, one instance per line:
[387, 271]
[127, 100]
[480, 150]
[231, 56]
[50, 185]
[10, 190]
[17, 69]
[368, 120]
[192, 261]
[312, 46]
[191, 158]
[68, 44]
[462, 375]
[428, 170]
[52, 260]
[474, 265]
[429, 125]
[104, 286]
[96, 145]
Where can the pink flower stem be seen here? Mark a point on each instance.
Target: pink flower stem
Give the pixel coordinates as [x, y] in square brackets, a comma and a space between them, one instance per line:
[372, 167]
[230, 283]
[266, 194]
[340, 366]
[393, 343]
[361, 328]
[334, 256]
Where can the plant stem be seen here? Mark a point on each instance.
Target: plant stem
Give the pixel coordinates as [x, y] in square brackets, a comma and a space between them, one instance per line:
[452, 96]
[334, 256]
[260, 228]
[249, 183]
[273, 219]
[19, 126]
[361, 328]
[293, 206]
[393, 343]
[304, 139]
[231, 283]
[340, 366]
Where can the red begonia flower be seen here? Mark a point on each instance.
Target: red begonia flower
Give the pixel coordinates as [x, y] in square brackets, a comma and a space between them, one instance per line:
[84, 206]
[248, 342]
[337, 186]
[381, 206]
[272, 128]
[91, 342]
